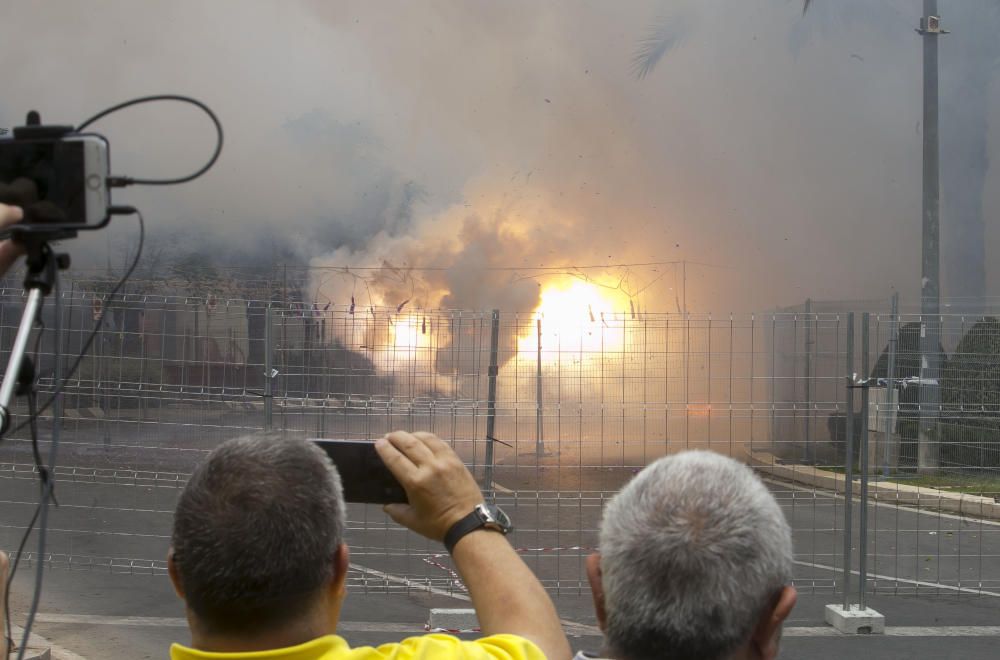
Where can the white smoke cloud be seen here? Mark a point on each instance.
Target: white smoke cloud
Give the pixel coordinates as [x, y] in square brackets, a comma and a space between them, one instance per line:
[485, 136]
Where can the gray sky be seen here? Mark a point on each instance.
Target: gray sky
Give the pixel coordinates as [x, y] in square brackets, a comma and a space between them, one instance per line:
[434, 134]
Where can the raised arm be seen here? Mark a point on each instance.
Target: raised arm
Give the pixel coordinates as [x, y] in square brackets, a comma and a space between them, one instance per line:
[507, 596]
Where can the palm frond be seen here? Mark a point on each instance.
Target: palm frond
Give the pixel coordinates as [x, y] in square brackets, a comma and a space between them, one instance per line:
[654, 46]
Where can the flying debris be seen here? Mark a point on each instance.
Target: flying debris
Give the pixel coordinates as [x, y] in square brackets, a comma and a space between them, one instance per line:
[399, 308]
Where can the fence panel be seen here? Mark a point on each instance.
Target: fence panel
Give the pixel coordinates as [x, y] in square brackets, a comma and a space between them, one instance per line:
[579, 406]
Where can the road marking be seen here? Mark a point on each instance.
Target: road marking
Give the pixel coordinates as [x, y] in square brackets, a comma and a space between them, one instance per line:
[572, 627]
[899, 631]
[919, 583]
[580, 630]
[37, 641]
[886, 505]
[943, 631]
[389, 577]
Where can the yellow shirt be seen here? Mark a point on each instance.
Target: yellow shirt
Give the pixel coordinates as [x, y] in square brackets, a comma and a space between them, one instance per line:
[425, 647]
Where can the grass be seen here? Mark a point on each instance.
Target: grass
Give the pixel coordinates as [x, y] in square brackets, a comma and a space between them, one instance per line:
[949, 481]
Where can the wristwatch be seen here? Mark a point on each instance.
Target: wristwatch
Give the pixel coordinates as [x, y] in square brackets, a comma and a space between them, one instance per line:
[484, 515]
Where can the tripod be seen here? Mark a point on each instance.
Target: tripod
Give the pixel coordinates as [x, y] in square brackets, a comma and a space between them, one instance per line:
[43, 265]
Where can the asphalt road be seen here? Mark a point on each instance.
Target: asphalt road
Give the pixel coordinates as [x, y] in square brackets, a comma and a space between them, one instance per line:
[106, 594]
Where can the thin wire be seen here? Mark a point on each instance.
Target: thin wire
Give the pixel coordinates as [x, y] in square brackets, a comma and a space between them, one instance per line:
[44, 483]
[47, 482]
[39, 572]
[13, 570]
[125, 181]
[348, 269]
[41, 509]
[93, 333]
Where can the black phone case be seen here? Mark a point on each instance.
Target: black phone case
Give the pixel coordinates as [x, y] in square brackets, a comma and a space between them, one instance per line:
[365, 477]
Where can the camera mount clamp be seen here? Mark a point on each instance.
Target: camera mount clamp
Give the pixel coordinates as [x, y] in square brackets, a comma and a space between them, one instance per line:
[43, 266]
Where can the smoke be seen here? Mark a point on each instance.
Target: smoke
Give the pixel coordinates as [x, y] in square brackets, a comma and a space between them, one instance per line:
[970, 59]
[442, 152]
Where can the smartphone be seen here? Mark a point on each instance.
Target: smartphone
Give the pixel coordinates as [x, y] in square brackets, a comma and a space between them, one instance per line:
[363, 474]
[61, 183]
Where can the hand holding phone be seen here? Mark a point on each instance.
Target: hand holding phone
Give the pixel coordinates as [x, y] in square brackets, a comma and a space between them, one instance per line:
[441, 489]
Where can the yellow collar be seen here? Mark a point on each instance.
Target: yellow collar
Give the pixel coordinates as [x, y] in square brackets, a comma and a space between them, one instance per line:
[311, 650]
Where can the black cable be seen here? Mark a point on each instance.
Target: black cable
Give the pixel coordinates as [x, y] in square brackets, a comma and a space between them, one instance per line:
[43, 526]
[44, 482]
[45, 477]
[32, 401]
[121, 181]
[13, 569]
[45, 473]
[100, 321]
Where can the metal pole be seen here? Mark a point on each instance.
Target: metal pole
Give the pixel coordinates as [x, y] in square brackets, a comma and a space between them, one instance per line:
[57, 408]
[774, 329]
[930, 320]
[684, 285]
[810, 452]
[491, 402]
[863, 467]
[890, 383]
[17, 354]
[848, 461]
[539, 426]
[268, 384]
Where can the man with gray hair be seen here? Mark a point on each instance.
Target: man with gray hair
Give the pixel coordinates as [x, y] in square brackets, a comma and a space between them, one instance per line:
[695, 562]
[258, 555]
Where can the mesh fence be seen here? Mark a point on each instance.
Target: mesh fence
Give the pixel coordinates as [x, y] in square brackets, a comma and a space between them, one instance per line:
[553, 416]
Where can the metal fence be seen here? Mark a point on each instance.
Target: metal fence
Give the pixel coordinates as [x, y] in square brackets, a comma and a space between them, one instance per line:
[552, 415]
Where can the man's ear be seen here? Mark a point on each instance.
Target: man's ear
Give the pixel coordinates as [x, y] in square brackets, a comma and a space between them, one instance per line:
[595, 577]
[336, 592]
[767, 635]
[341, 563]
[174, 573]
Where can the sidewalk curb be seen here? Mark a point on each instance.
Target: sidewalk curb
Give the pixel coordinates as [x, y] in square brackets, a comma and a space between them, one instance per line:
[921, 497]
[39, 645]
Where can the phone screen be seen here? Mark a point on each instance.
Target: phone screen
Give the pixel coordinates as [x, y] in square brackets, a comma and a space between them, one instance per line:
[364, 476]
[46, 178]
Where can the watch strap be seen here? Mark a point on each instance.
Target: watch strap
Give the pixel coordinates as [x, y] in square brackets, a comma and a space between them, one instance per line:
[469, 523]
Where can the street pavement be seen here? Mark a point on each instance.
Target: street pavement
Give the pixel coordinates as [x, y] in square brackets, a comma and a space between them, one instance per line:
[106, 594]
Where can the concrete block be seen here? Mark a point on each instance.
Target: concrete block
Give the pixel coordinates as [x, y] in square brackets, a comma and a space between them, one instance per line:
[453, 619]
[855, 621]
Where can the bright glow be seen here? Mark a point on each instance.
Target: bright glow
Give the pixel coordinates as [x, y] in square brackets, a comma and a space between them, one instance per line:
[409, 335]
[577, 316]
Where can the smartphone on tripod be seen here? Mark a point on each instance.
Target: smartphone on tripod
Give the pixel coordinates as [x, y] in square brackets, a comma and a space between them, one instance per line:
[61, 182]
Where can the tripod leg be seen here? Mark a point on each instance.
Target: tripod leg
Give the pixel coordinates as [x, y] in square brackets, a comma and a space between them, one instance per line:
[17, 355]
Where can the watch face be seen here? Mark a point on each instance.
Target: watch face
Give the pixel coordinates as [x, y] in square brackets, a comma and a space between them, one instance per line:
[498, 519]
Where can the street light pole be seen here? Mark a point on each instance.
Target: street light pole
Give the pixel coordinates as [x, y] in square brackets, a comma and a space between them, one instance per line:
[930, 290]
